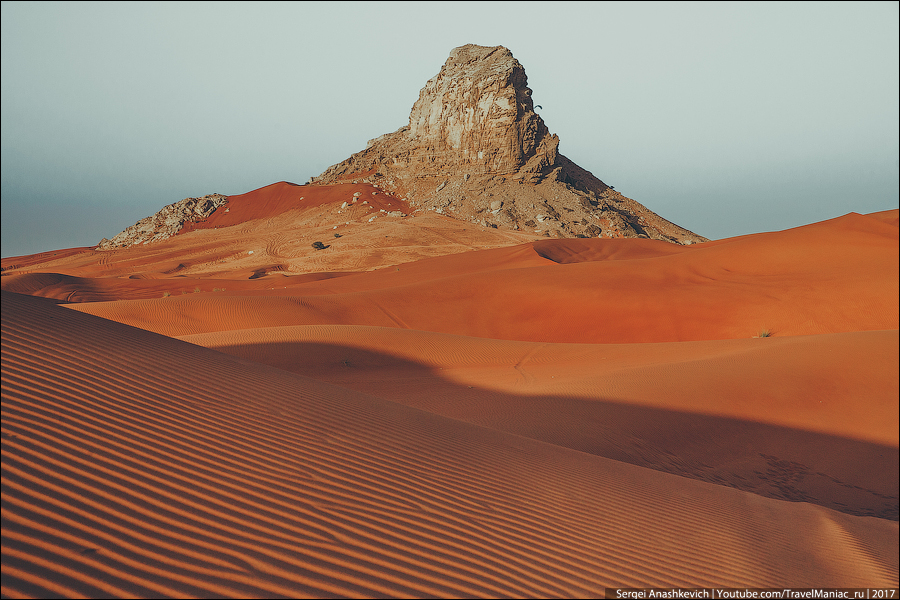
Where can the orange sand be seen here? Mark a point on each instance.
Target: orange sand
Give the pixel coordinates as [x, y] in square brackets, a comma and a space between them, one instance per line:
[141, 465]
[797, 282]
[430, 407]
[725, 411]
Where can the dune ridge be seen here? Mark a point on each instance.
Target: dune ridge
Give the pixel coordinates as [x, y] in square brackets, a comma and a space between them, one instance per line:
[257, 481]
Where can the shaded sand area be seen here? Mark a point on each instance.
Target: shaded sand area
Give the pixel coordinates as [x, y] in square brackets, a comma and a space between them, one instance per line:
[433, 408]
[779, 417]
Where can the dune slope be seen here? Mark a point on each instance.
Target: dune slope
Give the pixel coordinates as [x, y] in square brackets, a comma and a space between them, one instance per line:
[272, 230]
[136, 464]
[830, 277]
[810, 418]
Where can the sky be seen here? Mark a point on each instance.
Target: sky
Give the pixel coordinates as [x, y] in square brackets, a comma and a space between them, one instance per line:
[725, 118]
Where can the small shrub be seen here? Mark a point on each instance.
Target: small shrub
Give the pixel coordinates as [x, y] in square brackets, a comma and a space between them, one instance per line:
[166, 294]
[197, 289]
[319, 245]
[764, 333]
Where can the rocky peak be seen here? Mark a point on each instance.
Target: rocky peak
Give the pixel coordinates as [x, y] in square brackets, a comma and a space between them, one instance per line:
[475, 149]
[475, 117]
[477, 114]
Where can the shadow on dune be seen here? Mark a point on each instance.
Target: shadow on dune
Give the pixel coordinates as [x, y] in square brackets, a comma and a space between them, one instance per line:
[850, 476]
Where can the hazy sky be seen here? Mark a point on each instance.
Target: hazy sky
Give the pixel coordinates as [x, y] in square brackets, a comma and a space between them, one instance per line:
[725, 118]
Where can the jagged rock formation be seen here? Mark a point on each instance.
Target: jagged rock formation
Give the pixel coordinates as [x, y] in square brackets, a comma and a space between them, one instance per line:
[475, 149]
[166, 223]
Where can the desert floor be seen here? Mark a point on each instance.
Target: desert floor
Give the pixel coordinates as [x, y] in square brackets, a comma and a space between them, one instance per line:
[428, 407]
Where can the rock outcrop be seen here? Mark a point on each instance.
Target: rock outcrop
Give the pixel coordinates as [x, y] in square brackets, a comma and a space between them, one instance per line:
[475, 149]
[166, 223]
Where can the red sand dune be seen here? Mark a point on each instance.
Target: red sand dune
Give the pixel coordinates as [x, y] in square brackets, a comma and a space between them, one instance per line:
[733, 412]
[135, 464]
[830, 277]
[271, 230]
[430, 407]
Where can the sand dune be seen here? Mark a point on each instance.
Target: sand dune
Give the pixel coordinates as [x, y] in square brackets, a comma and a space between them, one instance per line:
[135, 464]
[795, 282]
[780, 417]
[434, 408]
[272, 229]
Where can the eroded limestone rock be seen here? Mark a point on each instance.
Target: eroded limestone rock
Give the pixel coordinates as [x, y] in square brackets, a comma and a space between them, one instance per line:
[166, 223]
[474, 143]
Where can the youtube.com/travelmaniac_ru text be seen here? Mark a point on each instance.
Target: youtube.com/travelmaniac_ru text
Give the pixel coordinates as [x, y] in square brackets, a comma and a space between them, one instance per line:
[754, 593]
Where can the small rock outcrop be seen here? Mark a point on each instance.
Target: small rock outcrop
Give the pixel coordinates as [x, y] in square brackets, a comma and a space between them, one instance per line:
[475, 149]
[166, 223]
